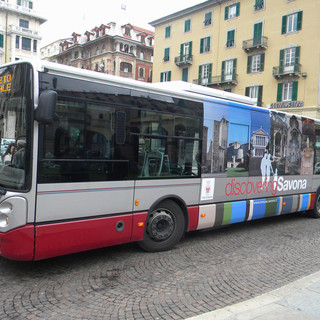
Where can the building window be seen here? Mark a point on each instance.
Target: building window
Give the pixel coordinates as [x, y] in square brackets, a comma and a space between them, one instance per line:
[127, 32]
[168, 32]
[232, 11]
[205, 44]
[25, 3]
[141, 55]
[259, 5]
[26, 44]
[186, 49]
[287, 91]
[166, 54]
[23, 23]
[143, 39]
[126, 67]
[289, 60]
[141, 73]
[255, 92]
[291, 23]
[1, 40]
[255, 63]
[228, 70]
[187, 25]
[230, 39]
[165, 76]
[205, 72]
[35, 45]
[208, 19]
[17, 42]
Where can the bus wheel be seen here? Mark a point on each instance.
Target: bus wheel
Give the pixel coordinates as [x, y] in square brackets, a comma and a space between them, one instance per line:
[316, 206]
[164, 227]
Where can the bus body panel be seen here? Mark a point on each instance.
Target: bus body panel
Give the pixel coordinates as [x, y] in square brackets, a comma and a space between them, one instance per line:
[65, 201]
[18, 244]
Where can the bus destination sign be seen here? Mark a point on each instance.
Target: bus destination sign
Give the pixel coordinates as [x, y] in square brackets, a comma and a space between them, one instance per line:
[5, 83]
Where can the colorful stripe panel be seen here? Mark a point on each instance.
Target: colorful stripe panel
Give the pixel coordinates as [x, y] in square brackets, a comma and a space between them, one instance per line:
[219, 214]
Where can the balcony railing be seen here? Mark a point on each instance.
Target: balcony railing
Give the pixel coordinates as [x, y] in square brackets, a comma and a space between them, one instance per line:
[255, 43]
[183, 60]
[16, 7]
[29, 32]
[282, 71]
[231, 79]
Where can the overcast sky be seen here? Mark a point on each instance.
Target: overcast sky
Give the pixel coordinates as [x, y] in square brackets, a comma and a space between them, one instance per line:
[68, 16]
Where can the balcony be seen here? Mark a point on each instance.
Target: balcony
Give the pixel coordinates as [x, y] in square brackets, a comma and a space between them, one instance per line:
[255, 44]
[230, 79]
[183, 60]
[283, 71]
[24, 31]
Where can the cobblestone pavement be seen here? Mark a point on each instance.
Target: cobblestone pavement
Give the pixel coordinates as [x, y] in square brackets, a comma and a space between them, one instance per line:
[206, 271]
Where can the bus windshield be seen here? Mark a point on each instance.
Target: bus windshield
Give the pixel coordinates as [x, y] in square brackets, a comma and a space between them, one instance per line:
[15, 102]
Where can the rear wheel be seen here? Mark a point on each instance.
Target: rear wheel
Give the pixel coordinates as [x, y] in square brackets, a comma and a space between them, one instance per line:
[164, 227]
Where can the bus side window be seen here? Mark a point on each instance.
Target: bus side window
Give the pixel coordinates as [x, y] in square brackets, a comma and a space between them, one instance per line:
[317, 151]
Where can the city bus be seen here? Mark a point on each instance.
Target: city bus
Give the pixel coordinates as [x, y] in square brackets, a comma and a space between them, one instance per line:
[100, 160]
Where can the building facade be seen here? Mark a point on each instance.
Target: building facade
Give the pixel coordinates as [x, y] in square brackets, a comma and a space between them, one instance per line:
[125, 51]
[265, 49]
[19, 30]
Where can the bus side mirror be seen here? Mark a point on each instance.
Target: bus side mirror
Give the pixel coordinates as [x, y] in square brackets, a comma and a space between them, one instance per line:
[47, 104]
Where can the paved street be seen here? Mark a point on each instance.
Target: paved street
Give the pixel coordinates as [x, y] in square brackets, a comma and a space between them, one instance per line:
[206, 271]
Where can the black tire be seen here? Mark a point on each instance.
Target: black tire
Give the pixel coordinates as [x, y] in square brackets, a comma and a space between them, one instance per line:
[164, 227]
[316, 206]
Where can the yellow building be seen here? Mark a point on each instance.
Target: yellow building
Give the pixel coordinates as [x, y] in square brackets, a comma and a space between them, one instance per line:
[19, 30]
[265, 49]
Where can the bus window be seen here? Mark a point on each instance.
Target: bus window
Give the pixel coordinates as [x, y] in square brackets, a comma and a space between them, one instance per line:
[317, 151]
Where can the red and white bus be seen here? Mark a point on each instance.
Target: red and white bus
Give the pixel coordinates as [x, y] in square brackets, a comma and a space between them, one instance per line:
[98, 160]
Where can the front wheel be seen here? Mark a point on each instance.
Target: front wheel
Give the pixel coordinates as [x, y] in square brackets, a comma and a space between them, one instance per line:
[316, 206]
[164, 227]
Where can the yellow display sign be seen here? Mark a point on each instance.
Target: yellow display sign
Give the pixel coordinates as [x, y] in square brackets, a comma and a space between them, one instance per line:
[5, 83]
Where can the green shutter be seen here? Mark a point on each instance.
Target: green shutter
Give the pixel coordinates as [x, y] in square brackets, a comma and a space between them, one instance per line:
[262, 57]
[223, 70]
[279, 93]
[190, 49]
[161, 77]
[19, 2]
[166, 54]
[187, 25]
[199, 74]
[1, 40]
[201, 45]
[249, 64]
[30, 5]
[294, 91]
[234, 69]
[226, 13]
[259, 102]
[284, 25]
[257, 33]
[297, 60]
[281, 61]
[247, 92]
[299, 22]
[181, 49]
[210, 72]
[168, 31]
[238, 9]
[169, 75]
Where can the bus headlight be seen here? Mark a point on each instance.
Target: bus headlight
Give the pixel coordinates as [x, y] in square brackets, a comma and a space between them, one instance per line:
[4, 220]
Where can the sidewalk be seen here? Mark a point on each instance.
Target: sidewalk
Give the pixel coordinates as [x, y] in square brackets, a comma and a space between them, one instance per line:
[299, 300]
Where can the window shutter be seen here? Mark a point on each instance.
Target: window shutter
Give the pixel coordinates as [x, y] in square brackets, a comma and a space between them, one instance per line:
[226, 13]
[199, 74]
[238, 9]
[190, 49]
[201, 45]
[247, 92]
[1, 40]
[169, 75]
[279, 93]
[223, 67]
[30, 5]
[294, 91]
[262, 56]
[281, 61]
[210, 72]
[249, 64]
[259, 102]
[19, 2]
[181, 49]
[299, 22]
[161, 77]
[297, 59]
[284, 25]
[234, 69]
